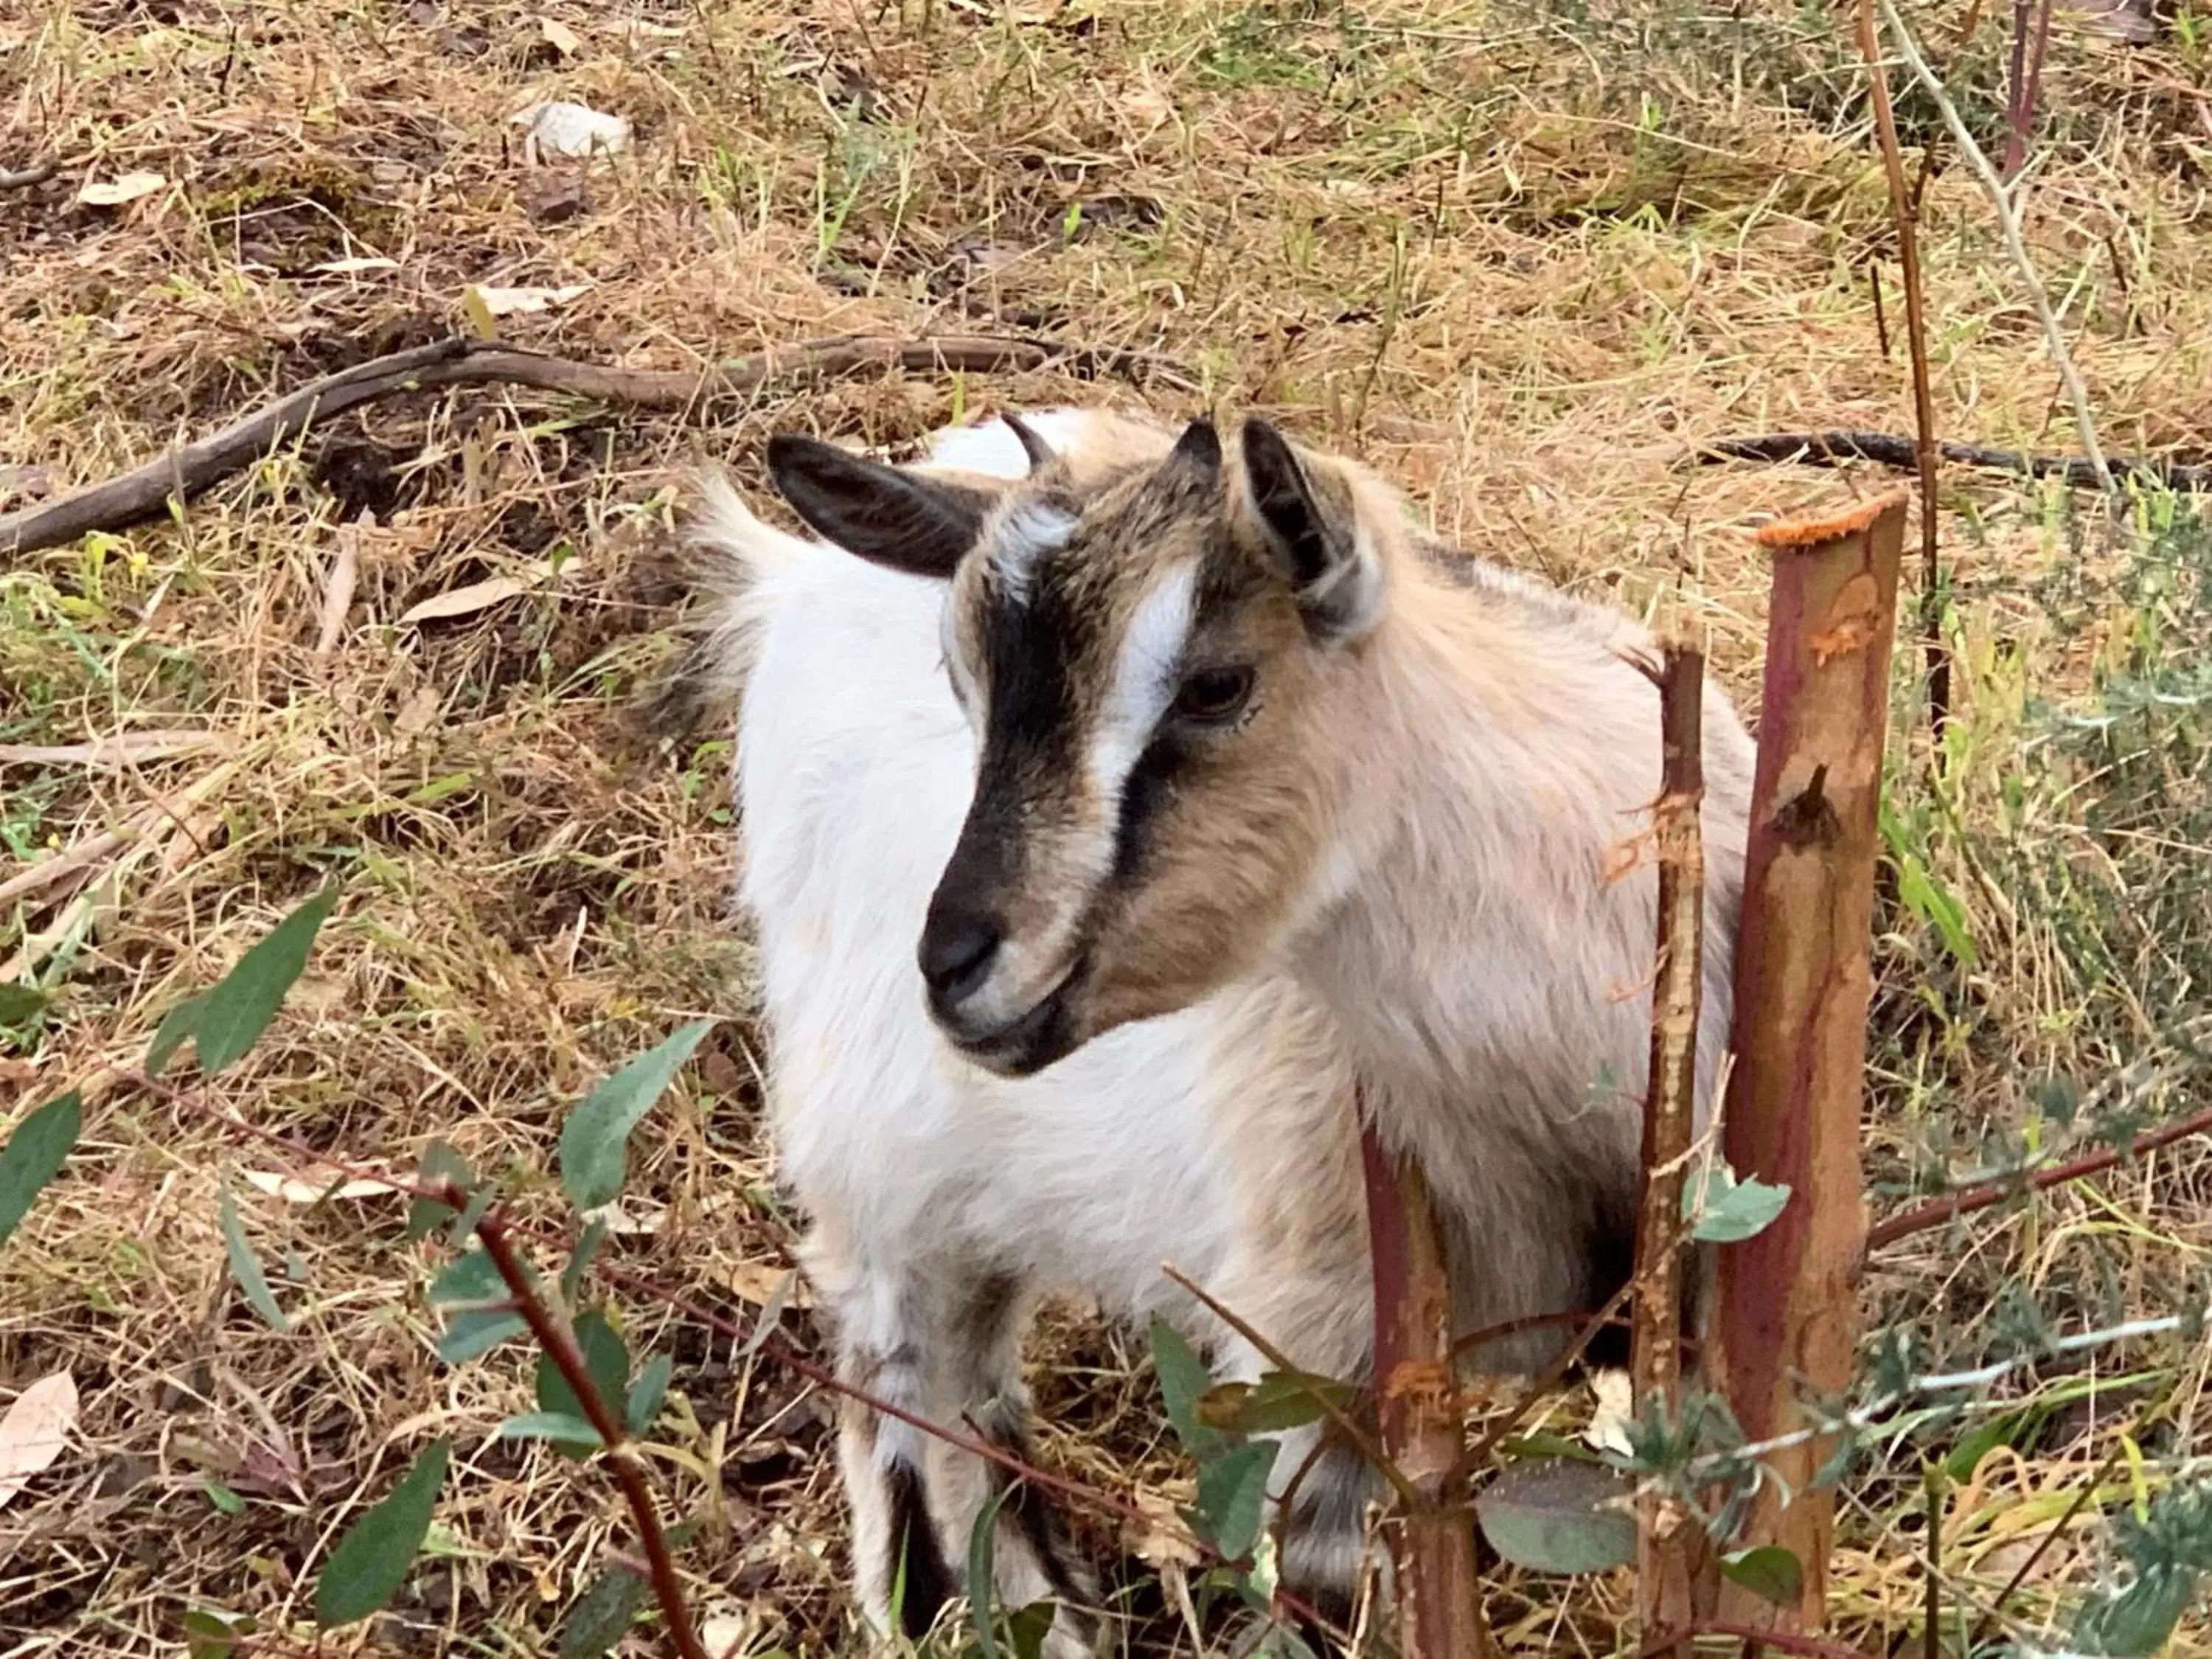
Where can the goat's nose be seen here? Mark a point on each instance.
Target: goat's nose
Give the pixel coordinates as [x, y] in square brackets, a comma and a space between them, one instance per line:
[956, 953]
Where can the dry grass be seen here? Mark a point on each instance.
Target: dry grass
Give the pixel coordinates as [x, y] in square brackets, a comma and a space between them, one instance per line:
[1496, 251]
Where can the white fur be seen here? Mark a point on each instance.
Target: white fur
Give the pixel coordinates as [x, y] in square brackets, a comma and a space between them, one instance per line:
[919, 1172]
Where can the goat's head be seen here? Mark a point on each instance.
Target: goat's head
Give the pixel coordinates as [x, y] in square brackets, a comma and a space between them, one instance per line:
[1146, 658]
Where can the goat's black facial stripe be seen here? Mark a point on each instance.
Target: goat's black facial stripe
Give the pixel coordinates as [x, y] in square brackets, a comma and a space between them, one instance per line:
[1149, 787]
[928, 1583]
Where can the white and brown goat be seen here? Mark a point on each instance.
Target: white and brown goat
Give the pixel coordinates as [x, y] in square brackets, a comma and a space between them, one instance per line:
[1125, 797]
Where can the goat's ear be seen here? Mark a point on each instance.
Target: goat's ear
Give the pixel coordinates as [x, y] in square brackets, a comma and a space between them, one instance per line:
[889, 517]
[1308, 521]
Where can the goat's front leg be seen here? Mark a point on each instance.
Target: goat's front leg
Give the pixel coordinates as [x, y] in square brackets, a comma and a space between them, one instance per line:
[940, 1341]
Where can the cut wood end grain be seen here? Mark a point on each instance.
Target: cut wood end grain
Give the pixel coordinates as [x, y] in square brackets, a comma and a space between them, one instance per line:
[1852, 520]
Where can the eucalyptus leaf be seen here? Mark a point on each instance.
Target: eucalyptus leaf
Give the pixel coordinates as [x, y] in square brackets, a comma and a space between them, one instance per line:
[36, 1149]
[647, 1394]
[226, 1021]
[595, 1141]
[602, 1614]
[1768, 1571]
[1232, 1493]
[562, 1428]
[1548, 1516]
[372, 1560]
[607, 1363]
[478, 1331]
[1183, 1379]
[1725, 1211]
[439, 1163]
[1278, 1400]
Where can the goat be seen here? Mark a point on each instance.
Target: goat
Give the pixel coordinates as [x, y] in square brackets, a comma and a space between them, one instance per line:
[1205, 790]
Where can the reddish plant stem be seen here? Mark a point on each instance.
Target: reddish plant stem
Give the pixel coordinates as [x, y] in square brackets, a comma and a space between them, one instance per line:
[1666, 1540]
[1905, 210]
[1936, 1211]
[558, 1342]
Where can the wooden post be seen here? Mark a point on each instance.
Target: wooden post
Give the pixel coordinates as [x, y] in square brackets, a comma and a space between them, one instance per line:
[1439, 1597]
[1787, 1318]
[1668, 1543]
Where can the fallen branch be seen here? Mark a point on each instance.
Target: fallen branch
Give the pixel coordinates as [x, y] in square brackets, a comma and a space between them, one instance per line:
[1936, 1212]
[1888, 449]
[144, 492]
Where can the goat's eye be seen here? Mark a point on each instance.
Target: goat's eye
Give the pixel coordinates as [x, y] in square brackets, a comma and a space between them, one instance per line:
[1214, 695]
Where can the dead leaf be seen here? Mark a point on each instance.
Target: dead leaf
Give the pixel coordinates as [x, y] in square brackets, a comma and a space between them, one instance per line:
[757, 1282]
[726, 1633]
[353, 267]
[115, 193]
[34, 1430]
[293, 1190]
[507, 301]
[1608, 1424]
[559, 36]
[565, 128]
[465, 601]
[1165, 1540]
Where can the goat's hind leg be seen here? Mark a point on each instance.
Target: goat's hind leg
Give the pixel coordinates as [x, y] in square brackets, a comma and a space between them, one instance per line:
[941, 1342]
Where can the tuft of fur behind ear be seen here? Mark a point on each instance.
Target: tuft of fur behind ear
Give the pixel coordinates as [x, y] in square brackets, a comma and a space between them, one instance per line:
[1311, 515]
[722, 553]
[888, 516]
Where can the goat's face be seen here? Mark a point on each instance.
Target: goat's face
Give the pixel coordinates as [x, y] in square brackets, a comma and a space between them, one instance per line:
[1146, 661]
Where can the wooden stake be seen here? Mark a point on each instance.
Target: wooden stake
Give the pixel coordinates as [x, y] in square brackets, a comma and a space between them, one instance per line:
[1786, 1319]
[1432, 1535]
[1668, 1541]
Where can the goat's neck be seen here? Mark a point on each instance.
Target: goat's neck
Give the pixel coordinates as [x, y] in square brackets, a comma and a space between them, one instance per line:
[1476, 804]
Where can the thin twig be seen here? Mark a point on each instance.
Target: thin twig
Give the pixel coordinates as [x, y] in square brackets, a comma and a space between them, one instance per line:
[460, 361]
[1939, 1210]
[1932, 1637]
[1905, 210]
[558, 1343]
[1345, 1424]
[2077, 393]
